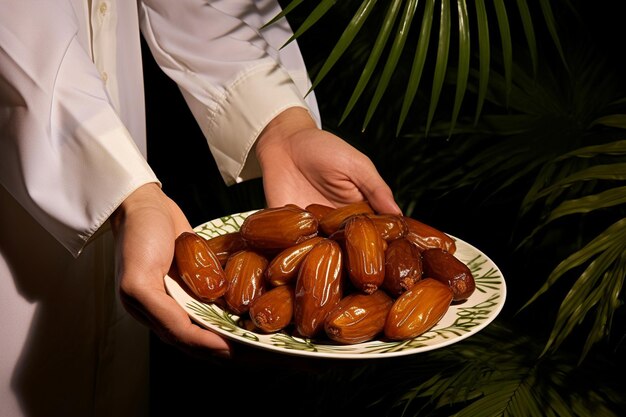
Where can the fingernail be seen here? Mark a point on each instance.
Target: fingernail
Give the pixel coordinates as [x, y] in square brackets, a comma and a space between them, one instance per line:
[224, 354]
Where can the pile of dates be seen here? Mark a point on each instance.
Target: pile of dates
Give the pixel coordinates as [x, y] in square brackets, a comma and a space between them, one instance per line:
[347, 275]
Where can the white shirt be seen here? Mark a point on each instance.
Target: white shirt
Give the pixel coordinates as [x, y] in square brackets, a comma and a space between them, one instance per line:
[73, 146]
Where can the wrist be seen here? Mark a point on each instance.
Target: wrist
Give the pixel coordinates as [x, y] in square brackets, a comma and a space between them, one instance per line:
[284, 126]
[140, 197]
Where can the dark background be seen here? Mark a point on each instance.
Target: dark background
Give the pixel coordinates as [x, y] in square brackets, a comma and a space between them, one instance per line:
[258, 381]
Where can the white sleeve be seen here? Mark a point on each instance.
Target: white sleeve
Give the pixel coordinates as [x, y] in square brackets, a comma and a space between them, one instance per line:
[64, 153]
[234, 76]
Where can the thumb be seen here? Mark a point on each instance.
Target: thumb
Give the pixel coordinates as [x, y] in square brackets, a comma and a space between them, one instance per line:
[376, 191]
[381, 199]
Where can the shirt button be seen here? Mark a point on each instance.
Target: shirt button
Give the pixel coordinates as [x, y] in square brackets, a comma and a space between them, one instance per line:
[104, 76]
[103, 8]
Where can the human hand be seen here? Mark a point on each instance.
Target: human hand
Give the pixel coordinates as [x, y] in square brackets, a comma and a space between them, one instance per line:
[303, 164]
[145, 227]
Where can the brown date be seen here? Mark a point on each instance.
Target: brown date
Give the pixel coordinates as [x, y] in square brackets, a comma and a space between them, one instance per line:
[403, 266]
[244, 272]
[273, 310]
[199, 267]
[365, 253]
[225, 245]
[445, 267]
[278, 228]
[426, 236]
[332, 221]
[390, 226]
[319, 210]
[283, 268]
[418, 309]
[358, 317]
[319, 287]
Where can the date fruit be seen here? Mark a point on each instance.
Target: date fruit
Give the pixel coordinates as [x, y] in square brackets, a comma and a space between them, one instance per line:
[278, 228]
[244, 272]
[226, 244]
[365, 253]
[426, 236]
[403, 266]
[283, 268]
[358, 317]
[390, 226]
[319, 210]
[418, 309]
[319, 287]
[445, 267]
[332, 221]
[272, 311]
[199, 267]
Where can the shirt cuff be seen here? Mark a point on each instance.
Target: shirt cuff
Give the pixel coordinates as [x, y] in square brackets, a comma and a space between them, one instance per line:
[247, 106]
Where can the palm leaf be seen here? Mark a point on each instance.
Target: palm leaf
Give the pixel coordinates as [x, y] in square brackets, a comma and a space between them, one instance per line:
[602, 242]
[496, 373]
[590, 288]
[418, 63]
[551, 24]
[441, 62]
[464, 61]
[507, 46]
[345, 40]
[440, 69]
[603, 276]
[320, 10]
[529, 31]
[392, 60]
[377, 50]
[484, 56]
[613, 172]
[545, 176]
[609, 198]
[612, 120]
[284, 12]
[609, 301]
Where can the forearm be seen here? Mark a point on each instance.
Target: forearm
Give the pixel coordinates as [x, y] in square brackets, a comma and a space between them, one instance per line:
[235, 76]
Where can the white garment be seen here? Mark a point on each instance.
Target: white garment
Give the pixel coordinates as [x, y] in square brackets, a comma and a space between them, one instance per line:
[72, 147]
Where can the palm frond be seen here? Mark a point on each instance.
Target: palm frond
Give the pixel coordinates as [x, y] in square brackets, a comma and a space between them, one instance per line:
[441, 62]
[393, 58]
[377, 50]
[548, 15]
[417, 67]
[464, 61]
[345, 40]
[484, 56]
[529, 31]
[604, 257]
[320, 10]
[612, 120]
[497, 373]
[507, 46]
[441, 66]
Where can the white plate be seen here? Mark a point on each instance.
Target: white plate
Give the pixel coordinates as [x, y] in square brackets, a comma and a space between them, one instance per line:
[459, 322]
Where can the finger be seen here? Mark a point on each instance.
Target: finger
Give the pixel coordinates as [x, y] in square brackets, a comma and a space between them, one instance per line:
[376, 191]
[170, 323]
[381, 199]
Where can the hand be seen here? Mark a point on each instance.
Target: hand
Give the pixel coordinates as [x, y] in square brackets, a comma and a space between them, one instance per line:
[303, 164]
[145, 227]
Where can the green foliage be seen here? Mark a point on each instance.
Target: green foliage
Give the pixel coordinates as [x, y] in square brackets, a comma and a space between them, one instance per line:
[499, 373]
[466, 19]
[504, 113]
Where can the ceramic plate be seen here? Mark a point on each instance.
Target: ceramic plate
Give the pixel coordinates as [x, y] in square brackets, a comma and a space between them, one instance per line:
[461, 320]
